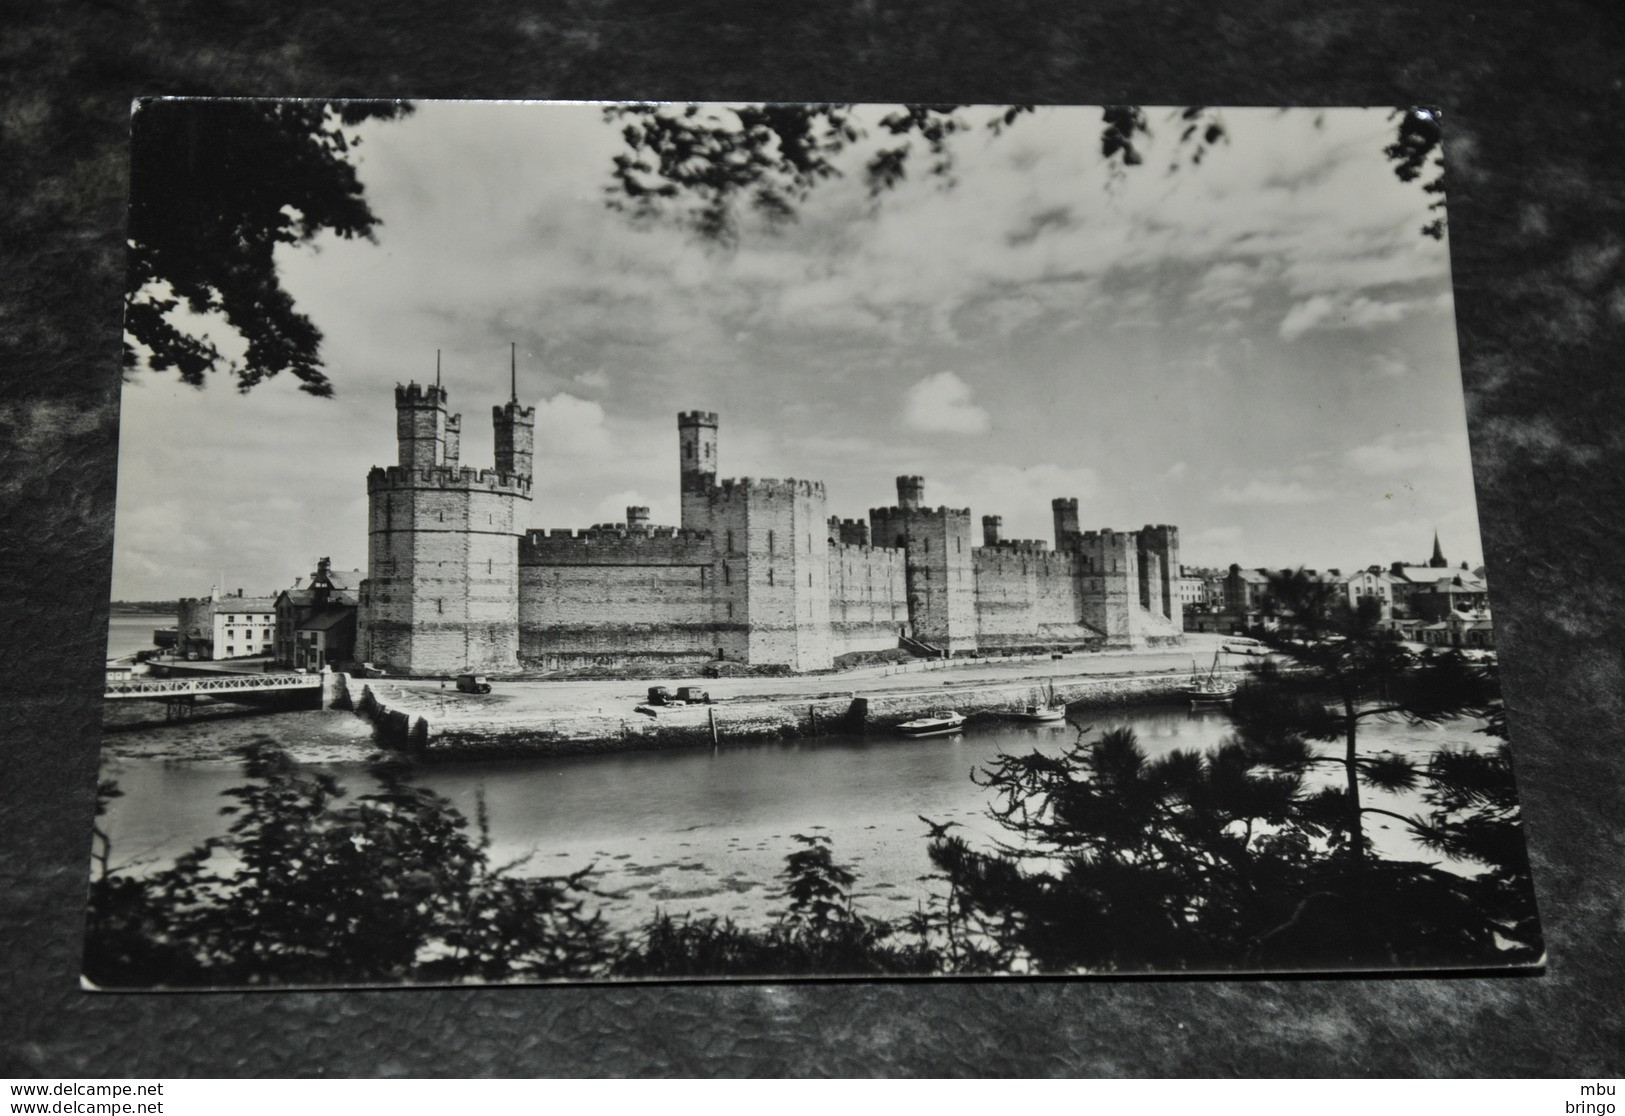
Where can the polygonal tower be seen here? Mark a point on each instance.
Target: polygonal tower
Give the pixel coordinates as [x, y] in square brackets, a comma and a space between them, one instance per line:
[442, 588]
[939, 572]
[697, 460]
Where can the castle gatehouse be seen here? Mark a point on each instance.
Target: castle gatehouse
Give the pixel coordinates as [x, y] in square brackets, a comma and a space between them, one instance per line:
[757, 572]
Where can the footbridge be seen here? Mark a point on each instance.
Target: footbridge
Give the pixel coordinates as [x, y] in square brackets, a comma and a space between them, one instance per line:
[179, 694]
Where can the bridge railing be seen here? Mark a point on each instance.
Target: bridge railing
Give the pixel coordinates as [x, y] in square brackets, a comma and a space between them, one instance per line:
[217, 684]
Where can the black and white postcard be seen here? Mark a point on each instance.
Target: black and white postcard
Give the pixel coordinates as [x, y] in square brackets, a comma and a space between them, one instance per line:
[653, 541]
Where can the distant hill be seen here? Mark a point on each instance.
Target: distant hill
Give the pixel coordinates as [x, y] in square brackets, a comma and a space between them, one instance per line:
[143, 608]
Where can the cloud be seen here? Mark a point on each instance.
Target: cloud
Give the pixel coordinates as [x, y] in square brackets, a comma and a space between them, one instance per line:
[1404, 454]
[1270, 492]
[595, 379]
[941, 404]
[1229, 286]
[1305, 316]
[567, 426]
[1322, 312]
[1389, 367]
[1020, 494]
[1213, 546]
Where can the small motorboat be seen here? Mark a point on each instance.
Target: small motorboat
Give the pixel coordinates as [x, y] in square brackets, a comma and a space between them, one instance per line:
[1209, 688]
[937, 724]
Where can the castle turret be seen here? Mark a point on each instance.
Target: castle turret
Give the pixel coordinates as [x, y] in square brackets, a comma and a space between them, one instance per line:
[637, 518]
[697, 462]
[420, 425]
[1160, 580]
[991, 527]
[454, 441]
[442, 587]
[911, 492]
[515, 429]
[1065, 509]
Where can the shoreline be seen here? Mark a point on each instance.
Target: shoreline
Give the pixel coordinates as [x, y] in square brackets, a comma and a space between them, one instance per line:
[441, 734]
[434, 723]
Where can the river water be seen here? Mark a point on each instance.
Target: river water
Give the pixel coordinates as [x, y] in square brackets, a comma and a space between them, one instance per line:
[703, 831]
[130, 633]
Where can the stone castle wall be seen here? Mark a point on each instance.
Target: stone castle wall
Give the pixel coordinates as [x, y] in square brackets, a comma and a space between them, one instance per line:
[602, 598]
[940, 577]
[868, 598]
[1027, 594]
[758, 573]
[775, 538]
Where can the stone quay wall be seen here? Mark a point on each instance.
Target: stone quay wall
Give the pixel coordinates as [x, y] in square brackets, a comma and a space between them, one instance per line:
[742, 720]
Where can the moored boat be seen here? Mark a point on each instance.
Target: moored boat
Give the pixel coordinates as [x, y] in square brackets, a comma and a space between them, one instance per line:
[1209, 687]
[1041, 715]
[937, 724]
[1044, 709]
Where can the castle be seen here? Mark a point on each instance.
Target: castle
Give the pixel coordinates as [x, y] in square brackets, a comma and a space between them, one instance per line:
[756, 573]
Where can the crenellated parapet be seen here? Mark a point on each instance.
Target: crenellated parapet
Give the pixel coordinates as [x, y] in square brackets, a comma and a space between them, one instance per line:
[736, 488]
[1020, 546]
[849, 532]
[955, 515]
[613, 544]
[869, 553]
[460, 478]
[419, 395]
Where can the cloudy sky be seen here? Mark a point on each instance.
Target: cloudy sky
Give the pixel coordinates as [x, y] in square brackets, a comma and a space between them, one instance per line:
[1260, 349]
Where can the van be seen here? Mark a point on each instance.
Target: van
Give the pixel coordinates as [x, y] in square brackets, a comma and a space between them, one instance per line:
[473, 684]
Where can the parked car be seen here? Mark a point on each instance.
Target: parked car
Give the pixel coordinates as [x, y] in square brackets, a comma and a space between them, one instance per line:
[662, 695]
[473, 684]
[367, 670]
[693, 695]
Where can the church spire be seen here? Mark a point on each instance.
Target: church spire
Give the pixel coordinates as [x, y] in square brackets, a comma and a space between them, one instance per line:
[1437, 561]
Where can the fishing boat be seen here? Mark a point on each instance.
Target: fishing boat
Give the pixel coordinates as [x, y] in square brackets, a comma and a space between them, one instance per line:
[940, 723]
[1208, 688]
[1043, 709]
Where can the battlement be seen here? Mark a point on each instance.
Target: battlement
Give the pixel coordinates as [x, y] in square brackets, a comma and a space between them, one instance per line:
[870, 552]
[1026, 546]
[412, 395]
[736, 487]
[614, 545]
[514, 411]
[1108, 539]
[443, 476]
[951, 514]
[849, 532]
[696, 418]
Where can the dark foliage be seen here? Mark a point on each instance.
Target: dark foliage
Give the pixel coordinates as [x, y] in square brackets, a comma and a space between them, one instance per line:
[821, 932]
[215, 188]
[1117, 862]
[705, 165]
[306, 890]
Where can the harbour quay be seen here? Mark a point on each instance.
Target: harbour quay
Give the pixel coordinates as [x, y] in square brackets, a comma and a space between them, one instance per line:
[436, 722]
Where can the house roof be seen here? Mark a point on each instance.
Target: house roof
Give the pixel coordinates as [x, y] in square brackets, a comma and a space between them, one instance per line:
[327, 619]
[1425, 575]
[306, 598]
[345, 579]
[244, 604]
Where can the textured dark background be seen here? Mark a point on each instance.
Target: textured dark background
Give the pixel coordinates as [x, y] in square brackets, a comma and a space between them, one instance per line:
[1535, 115]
